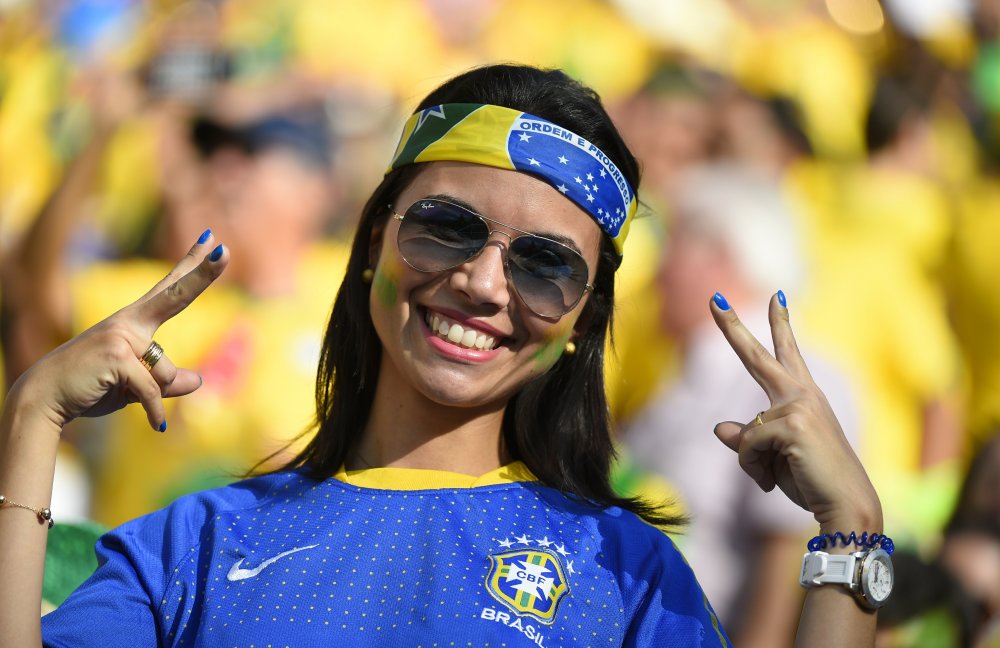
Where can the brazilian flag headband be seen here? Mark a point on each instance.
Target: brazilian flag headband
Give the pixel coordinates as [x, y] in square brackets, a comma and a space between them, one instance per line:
[510, 139]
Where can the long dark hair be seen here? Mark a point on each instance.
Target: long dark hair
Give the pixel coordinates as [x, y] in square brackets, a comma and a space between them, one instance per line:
[558, 424]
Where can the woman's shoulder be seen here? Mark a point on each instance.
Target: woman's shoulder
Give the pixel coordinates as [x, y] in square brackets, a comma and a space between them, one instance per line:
[187, 516]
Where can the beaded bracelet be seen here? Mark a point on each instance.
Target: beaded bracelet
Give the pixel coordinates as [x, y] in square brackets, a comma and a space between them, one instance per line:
[865, 540]
[44, 515]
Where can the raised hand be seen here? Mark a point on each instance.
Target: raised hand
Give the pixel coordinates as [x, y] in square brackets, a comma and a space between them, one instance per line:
[100, 371]
[797, 444]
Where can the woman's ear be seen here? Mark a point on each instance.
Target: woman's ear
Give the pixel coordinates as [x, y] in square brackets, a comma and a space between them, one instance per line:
[582, 324]
[375, 244]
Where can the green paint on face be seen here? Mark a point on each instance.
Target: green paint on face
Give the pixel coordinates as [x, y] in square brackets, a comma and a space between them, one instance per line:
[385, 289]
[386, 282]
[550, 352]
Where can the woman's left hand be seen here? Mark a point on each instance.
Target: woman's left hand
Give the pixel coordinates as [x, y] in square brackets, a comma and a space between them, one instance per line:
[797, 444]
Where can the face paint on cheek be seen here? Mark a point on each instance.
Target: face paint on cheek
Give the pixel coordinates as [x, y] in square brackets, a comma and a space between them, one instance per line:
[386, 281]
[553, 347]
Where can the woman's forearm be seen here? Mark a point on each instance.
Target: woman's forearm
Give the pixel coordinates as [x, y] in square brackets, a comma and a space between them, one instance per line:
[28, 443]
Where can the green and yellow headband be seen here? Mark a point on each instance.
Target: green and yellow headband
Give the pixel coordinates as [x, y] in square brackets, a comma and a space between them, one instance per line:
[510, 139]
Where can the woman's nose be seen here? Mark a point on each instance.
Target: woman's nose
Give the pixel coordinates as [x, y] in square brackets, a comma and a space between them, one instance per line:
[483, 279]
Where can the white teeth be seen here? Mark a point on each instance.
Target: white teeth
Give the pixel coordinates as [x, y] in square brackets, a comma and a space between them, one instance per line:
[456, 334]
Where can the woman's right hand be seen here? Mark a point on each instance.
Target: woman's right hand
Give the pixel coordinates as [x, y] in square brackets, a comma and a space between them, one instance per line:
[99, 371]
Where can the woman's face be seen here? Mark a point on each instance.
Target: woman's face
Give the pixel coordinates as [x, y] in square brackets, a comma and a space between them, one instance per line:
[476, 296]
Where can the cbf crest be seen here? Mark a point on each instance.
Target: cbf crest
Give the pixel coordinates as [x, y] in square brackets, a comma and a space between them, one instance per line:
[531, 582]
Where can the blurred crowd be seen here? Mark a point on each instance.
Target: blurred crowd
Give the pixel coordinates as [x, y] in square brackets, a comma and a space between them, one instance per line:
[846, 152]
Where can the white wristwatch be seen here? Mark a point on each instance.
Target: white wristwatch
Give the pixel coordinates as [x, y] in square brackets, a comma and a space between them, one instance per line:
[868, 574]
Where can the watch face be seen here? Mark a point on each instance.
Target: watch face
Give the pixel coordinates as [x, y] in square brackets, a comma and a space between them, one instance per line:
[878, 578]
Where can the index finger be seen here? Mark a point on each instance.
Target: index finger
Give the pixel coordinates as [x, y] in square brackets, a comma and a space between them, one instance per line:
[759, 362]
[175, 297]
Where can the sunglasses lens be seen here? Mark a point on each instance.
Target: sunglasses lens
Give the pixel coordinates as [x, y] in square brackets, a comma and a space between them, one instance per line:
[550, 277]
[435, 236]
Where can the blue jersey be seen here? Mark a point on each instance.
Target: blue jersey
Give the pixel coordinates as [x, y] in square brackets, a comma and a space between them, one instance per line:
[387, 557]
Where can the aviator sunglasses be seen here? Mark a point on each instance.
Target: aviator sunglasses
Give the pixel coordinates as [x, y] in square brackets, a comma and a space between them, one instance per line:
[436, 235]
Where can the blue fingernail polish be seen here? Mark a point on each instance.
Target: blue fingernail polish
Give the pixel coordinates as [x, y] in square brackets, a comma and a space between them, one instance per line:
[163, 427]
[781, 299]
[204, 236]
[720, 301]
[216, 254]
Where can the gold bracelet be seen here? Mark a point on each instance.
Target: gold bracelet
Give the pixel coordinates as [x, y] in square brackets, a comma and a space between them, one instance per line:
[44, 515]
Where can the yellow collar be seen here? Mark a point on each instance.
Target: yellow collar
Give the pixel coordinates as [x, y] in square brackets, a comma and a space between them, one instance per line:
[409, 479]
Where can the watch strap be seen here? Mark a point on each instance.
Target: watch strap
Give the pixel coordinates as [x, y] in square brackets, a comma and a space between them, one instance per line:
[821, 568]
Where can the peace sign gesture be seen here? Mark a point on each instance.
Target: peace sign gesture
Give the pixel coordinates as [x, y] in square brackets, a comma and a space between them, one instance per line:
[115, 362]
[797, 444]
[95, 373]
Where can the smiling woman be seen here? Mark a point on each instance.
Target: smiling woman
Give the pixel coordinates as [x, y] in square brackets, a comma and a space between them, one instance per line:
[456, 486]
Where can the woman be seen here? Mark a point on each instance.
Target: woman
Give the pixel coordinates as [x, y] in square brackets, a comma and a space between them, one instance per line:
[456, 489]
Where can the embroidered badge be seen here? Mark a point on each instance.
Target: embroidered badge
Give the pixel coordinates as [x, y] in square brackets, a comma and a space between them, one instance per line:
[531, 582]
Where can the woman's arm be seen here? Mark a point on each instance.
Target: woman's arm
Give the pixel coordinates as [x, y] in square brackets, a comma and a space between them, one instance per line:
[93, 374]
[799, 446]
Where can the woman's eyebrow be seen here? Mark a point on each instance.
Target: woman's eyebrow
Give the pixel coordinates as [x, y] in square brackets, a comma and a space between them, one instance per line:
[559, 238]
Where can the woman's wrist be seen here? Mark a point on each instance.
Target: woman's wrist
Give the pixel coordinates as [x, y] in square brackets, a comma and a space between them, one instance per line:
[867, 521]
[25, 409]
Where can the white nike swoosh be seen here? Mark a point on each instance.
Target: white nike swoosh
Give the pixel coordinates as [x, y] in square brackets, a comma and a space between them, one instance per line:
[237, 574]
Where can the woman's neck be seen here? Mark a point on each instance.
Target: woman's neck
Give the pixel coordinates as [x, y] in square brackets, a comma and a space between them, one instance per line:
[407, 430]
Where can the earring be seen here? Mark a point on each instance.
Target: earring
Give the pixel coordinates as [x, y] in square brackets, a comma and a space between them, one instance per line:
[570, 348]
[367, 275]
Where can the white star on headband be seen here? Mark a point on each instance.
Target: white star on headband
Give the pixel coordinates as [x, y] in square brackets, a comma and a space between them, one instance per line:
[436, 111]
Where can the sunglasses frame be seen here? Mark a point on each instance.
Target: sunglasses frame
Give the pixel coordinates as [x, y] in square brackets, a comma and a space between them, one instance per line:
[489, 222]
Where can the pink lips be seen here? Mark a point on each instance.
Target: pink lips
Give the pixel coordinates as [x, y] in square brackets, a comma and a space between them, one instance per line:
[454, 351]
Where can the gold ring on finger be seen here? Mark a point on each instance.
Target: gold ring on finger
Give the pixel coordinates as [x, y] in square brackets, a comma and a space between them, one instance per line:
[151, 356]
[759, 419]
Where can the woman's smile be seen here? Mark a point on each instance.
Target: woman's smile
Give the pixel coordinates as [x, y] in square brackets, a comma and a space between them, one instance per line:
[464, 334]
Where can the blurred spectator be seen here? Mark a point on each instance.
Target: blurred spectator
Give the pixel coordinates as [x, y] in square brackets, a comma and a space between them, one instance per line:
[929, 607]
[971, 548]
[979, 497]
[971, 553]
[974, 264]
[953, 599]
[253, 166]
[763, 135]
[877, 236]
[730, 232]
[670, 124]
